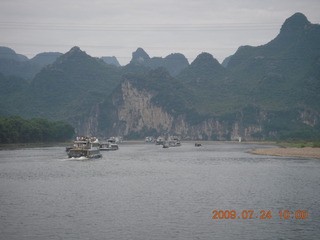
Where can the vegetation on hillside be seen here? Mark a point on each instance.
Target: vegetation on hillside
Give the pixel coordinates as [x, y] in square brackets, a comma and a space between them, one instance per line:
[169, 93]
[14, 129]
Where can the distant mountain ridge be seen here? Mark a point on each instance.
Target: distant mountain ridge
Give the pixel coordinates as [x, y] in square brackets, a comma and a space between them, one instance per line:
[111, 60]
[267, 92]
[174, 63]
[276, 69]
[8, 53]
[12, 63]
[46, 58]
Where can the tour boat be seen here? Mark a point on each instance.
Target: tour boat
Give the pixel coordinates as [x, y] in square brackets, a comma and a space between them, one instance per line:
[108, 146]
[174, 141]
[85, 147]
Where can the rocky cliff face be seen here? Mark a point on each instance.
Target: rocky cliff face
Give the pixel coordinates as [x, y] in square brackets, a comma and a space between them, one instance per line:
[131, 112]
[134, 114]
[309, 117]
[138, 112]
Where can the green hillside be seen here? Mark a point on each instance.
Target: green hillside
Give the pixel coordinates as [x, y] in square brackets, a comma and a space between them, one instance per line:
[278, 74]
[71, 85]
[210, 85]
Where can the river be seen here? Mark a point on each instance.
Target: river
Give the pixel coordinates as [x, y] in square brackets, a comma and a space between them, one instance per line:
[146, 192]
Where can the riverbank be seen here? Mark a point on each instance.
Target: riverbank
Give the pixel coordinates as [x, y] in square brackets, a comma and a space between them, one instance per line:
[306, 152]
[11, 146]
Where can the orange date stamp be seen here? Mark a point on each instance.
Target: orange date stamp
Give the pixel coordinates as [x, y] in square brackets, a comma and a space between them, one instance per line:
[263, 214]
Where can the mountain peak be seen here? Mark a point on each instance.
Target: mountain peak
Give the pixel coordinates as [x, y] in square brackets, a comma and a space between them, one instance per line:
[139, 56]
[75, 49]
[204, 69]
[206, 60]
[8, 53]
[294, 23]
[73, 53]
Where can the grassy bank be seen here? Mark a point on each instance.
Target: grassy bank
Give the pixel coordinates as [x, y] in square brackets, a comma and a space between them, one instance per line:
[299, 144]
[306, 152]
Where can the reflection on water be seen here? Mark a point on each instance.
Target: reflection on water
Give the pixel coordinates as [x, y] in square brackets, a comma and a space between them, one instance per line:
[143, 191]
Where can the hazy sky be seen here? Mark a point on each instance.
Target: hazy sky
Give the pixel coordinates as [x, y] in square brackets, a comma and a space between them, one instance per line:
[160, 27]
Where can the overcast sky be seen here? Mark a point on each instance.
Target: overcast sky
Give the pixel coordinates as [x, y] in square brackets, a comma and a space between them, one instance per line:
[118, 27]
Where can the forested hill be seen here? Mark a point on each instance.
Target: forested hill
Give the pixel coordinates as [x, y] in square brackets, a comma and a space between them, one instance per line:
[263, 92]
[70, 86]
[17, 130]
[280, 75]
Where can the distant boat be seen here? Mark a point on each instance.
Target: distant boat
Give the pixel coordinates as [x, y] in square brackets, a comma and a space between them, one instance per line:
[149, 139]
[160, 140]
[115, 139]
[174, 141]
[165, 145]
[85, 147]
[108, 146]
[197, 145]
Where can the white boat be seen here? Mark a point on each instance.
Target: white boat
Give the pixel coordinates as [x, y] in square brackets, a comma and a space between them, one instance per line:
[160, 140]
[165, 145]
[174, 141]
[108, 146]
[149, 139]
[85, 147]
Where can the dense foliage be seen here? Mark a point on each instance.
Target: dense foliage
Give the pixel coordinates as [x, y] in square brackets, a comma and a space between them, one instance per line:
[69, 87]
[14, 129]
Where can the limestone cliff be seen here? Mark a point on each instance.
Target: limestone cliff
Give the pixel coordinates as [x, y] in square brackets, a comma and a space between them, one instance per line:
[138, 112]
[131, 112]
[134, 113]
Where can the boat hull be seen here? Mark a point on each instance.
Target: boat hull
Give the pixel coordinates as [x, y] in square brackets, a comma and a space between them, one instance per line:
[108, 146]
[108, 149]
[83, 153]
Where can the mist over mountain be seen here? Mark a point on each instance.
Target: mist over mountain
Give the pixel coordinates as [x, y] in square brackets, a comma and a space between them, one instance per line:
[267, 92]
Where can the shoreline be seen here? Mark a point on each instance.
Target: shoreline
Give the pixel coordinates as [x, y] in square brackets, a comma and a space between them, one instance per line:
[306, 152]
[10, 146]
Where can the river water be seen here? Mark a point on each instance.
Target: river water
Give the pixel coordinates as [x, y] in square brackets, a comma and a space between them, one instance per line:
[145, 192]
